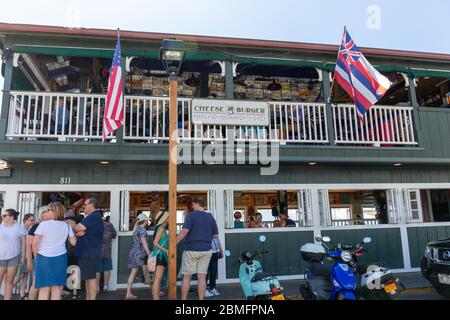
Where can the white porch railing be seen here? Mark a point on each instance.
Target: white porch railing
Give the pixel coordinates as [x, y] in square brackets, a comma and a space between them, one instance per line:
[48, 115]
[383, 126]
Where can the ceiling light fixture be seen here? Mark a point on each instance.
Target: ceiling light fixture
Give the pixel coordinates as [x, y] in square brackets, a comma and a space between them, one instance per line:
[29, 161]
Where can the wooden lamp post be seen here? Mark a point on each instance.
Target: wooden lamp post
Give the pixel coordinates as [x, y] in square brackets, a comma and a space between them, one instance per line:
[171, 55]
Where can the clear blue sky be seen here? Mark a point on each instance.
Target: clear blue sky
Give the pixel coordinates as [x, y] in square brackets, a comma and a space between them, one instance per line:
[409, 25]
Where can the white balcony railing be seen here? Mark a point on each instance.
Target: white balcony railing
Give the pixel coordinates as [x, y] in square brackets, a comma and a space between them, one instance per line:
[355, 222]
[383, 126]
[64, 116]
[48, 115]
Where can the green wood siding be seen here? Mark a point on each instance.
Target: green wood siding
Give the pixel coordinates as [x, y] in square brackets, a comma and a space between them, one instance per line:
[284, 251]
[150, 173]
[418, 237]
[385, 248]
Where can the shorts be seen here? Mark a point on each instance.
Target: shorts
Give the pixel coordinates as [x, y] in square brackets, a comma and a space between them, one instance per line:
[51, 271]
[104, 264]
[10, 263]
[88, 267]
[193, 262]
[161, 260]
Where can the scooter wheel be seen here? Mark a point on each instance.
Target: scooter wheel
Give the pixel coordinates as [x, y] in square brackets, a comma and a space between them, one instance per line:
[304, 292]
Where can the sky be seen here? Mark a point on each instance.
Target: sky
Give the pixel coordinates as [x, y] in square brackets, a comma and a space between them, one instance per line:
[400, 24]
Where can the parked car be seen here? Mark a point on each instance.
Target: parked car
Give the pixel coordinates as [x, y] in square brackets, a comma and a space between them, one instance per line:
[435, 265]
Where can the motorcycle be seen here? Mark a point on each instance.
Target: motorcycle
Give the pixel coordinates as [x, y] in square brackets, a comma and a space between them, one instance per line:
[323, 282]
[257, 284]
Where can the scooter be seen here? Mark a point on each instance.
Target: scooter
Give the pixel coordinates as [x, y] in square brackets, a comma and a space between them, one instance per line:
[374, 282]
[255, 283]
[323, 282]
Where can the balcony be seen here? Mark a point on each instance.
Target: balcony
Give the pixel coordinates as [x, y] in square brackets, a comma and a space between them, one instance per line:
[78, 117]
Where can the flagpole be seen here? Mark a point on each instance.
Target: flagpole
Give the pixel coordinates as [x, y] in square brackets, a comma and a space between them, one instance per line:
[332, 80]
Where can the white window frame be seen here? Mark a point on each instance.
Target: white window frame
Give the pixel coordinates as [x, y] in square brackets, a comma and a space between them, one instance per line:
[305, 211]
[324, 208]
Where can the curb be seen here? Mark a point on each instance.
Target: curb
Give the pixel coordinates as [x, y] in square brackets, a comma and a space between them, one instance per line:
[411, 291]
[425, 290]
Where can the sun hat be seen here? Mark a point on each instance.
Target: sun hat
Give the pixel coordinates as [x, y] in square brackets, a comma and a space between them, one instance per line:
[162, 218]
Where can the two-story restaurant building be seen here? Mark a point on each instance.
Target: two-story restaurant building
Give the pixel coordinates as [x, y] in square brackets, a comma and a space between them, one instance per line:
[387, 178]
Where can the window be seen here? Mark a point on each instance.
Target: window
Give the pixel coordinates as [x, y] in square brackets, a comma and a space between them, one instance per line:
[435, 205]
[268, 203]
[433, 92]
[341, 213]
[353, 207]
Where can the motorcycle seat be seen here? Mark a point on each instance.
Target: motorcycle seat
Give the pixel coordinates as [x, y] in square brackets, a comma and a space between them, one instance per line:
[262, 275]
[320, 270]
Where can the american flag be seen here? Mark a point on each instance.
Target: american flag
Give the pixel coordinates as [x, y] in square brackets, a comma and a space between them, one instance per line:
[363, 83]
[113, 114]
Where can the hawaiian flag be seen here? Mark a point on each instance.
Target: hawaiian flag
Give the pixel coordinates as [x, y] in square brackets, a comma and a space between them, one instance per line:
[113, 114]
[358, 77]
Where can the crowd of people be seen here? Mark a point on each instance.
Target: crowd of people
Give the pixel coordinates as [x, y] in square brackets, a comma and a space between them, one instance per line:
[256, 221]
[49, 249]
[44, 248]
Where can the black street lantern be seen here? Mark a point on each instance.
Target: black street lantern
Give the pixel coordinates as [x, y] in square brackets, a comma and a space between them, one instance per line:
[171, 55]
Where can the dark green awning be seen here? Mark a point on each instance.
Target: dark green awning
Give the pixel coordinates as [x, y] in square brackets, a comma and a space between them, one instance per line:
[194, 55]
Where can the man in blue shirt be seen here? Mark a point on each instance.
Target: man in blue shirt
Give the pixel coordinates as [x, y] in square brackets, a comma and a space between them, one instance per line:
[89, 244]
[199, 229]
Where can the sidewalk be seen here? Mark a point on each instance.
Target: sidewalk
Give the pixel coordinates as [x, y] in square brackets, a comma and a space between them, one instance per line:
[414, 282]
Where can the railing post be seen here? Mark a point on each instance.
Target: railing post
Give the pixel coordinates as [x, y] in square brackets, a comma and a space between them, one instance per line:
[6, 99]
[415, 104]
[229, 80]
[326, 94]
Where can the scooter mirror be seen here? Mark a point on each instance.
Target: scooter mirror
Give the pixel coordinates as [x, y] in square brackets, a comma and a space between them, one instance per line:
[367, 240]
[262, 238]
[326, 239]
[227, 253]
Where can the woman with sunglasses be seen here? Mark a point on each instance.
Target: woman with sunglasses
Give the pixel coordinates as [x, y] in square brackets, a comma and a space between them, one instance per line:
[12, 249]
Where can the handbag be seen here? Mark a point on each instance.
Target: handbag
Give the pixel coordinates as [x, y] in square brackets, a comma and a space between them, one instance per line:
[151, 261]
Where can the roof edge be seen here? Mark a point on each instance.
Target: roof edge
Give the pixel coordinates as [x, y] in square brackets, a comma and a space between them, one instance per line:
[213, 40]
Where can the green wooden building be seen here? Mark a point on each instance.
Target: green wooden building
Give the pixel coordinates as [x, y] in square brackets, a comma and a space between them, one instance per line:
[387, 178]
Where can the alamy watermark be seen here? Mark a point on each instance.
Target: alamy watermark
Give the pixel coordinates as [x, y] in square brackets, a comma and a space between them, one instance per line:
[237, 148]
[374, 19]
[73, 16]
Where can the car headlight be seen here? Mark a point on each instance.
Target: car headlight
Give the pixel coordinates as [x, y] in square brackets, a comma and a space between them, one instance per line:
[427, 253]
[346, 256]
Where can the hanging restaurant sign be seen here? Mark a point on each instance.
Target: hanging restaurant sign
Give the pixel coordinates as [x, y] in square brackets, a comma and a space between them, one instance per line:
[230, 112]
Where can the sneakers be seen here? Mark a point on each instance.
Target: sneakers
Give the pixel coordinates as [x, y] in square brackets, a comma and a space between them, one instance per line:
[208, 294]
[215, 292]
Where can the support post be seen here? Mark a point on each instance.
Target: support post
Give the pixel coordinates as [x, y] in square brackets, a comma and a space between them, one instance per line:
[229, 80]
[416, 114]
[173, 187]
[326, 89]
[115, 220]
[5, 99]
